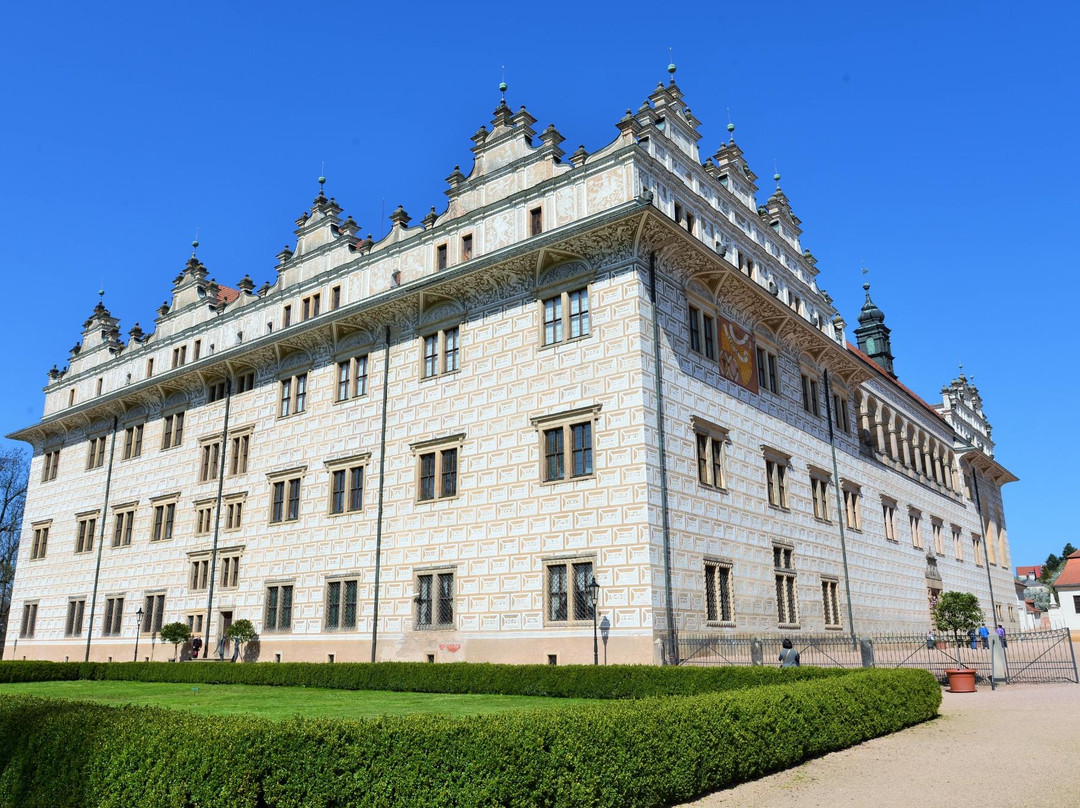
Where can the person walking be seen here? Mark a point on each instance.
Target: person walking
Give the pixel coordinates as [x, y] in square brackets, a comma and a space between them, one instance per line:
[789, 657]
[196, 646]
[984, 635]
[1000, 630]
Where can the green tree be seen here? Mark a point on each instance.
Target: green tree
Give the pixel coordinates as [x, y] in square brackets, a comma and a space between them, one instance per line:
[14, 471]
[241, 632]
[957, 612]
[175, 633]
[1068, 550]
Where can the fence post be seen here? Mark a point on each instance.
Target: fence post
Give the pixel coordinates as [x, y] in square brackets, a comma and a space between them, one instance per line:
[866, 651]
[757, 653]
[1072, 653]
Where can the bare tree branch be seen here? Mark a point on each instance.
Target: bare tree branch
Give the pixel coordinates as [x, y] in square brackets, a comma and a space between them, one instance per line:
[14, 471]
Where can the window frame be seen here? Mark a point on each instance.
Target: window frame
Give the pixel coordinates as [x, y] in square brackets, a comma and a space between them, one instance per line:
[239, 451]
[569, 565]
[341, 583]
[444, 360]
[86, 525]
[50, 466]
[288, 482]
[163, 520]
[39, 542]
[112, 618]
[767, 359]
[292, 394]
[123, 524]
[347, 373]
[438, 449]
[785, 576]
[172, 434]
[888, 514]
[28, 623]
[75, 616]
[810, 384]
[564, 318]
[710, 451]
[347, 467]
[830, 602]
[153, 612]
[279, 626]
[852, 499]
[95, 454]
[567, 424]
[437, 603]
[777, 466]
[820, 481]
[720, 592]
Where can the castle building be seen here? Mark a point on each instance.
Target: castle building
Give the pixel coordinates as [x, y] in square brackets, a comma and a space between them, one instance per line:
[612, 366]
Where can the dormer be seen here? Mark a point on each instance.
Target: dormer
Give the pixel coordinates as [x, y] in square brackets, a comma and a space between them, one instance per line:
[319, 226]
[780, 218]
[962, 407]
[733, 172]
[670, 117]
[100, 340]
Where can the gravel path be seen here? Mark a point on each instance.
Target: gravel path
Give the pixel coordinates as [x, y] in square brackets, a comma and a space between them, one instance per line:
[1015, 747]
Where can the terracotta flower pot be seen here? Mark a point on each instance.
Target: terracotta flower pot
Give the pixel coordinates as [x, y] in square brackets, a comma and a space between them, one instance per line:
[961, 680]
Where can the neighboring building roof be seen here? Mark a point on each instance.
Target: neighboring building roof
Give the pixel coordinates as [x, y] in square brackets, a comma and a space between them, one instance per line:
[854, 350]
[1022, 572]
[1030, 604]
[1070, 575]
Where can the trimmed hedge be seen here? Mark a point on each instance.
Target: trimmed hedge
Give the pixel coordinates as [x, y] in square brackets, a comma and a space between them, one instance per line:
[627, 754]
[576, 681]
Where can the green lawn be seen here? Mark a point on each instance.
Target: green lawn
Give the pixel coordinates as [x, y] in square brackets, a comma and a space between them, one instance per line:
[283, 702]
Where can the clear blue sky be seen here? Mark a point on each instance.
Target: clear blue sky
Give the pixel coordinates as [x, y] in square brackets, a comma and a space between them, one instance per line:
[934, 143]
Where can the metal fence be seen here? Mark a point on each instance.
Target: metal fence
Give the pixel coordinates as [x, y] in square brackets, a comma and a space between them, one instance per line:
[1032, 657]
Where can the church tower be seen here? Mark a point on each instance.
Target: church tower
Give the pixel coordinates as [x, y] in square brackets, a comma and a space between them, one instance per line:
[873, 335]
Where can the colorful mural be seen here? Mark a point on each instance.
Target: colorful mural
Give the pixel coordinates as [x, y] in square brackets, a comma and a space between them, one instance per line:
[737, 355]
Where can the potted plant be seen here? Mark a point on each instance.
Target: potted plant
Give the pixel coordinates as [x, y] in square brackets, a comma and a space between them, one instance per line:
[241, 632]
[959, 613]
[175, 633]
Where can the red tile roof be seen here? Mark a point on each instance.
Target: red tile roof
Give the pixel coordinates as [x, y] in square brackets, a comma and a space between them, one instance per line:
[226, 295]
[1070, 576]
[1022, 572]
[895, 382]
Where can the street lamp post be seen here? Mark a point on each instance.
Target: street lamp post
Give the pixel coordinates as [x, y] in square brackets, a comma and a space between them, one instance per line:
[138, 628]
[594, 599]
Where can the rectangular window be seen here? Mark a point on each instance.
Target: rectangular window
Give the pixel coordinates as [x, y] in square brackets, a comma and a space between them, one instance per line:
[435, 600]
[568, 591]
[293, 395]
[112, 625]
[776, 482]
[352, 377]
[939, 538]
[566, 316]
[711, 458]
[309, 306]
[133, 441]
[174, 430]
[708, 336]
[442, 352]
[536, 221]
[466, 247]
[958, 543]
[335, 298]
[718, 600]
[40, 543]
[819, 492]
[95, 455]
[73, 624]
[438, 467]
[210, 456]
[198, 350]
[278, 608]
[199, 578]
[153, 614]
[164, 516]
[216, 391]
[29, 620]
[84, 536]
[810, 395]
[557, 466]
[149, 367]
[915, 519]
[245, 382]
[888, 510]
[179, 356]
[286, 317]
[234, 514]
[238, 462]
[50, 465]
[204, 518]
[230, 571]
[347, 489]
[840, 412]
[440, 257]
[341, 604]
[122, 530]
[695, 329]
[830, 597]
[852, 507]
[768, 376]
[787, 610]
[285, 500]
[977, 550]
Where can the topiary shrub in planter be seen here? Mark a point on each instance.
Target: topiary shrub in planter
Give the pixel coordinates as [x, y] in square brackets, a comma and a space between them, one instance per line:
[958, 612]
[175, 633]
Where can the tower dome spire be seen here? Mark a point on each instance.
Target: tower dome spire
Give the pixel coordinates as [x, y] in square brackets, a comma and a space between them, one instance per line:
[873, 335]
